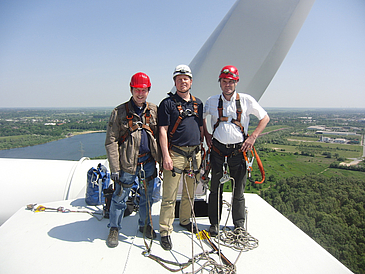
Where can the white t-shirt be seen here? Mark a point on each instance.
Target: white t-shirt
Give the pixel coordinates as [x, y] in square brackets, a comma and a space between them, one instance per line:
[227, 132]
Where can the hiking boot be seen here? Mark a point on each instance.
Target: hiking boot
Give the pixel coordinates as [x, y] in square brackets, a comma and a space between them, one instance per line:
[150, 233]
[188, 227]
[213, 230]
[166, 242]
[112, 240]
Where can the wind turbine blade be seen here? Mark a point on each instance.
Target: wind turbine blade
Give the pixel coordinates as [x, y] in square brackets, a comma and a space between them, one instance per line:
[254, 36]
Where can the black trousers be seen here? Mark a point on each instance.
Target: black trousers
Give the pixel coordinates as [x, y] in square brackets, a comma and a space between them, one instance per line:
[237, 170]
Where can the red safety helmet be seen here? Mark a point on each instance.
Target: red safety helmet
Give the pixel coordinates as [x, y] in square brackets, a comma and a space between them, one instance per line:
[229, 72]
[140, 80]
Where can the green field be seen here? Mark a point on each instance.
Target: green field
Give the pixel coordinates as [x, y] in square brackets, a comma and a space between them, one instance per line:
[284, 161]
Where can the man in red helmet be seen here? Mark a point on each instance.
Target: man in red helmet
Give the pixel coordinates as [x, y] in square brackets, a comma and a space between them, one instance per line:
[229, 113]
[132, 152]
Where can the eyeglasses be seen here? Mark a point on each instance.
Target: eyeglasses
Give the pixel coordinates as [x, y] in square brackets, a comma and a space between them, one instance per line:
[227, 71]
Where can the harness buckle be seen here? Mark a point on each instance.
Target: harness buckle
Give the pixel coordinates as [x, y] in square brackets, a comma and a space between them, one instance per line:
[186, 113]
[139, 124]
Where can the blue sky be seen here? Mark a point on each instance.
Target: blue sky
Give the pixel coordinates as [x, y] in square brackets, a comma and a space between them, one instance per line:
[82, 53]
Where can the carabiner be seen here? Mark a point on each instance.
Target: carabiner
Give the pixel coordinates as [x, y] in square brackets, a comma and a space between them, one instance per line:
[142, 173]
[190, 172]
[225, 177]
[249, 163]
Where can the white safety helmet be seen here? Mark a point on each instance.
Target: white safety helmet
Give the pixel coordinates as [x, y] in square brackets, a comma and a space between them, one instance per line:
[182, 70]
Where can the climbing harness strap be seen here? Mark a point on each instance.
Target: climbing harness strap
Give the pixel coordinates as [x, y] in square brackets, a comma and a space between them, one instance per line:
[205, 168]
[191, 157]
[138, 125]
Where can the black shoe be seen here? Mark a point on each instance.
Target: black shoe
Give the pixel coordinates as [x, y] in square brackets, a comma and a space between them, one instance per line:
[150, 233]
[239, 229]
[166, 243]
[213, 230]
[112, 240]
[188, 227]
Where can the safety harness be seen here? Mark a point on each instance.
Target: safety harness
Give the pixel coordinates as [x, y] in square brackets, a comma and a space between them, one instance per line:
[182, 113]
[236, 121]
[194, 169]
[237, 151]
[222, 118]
[136, 124]
[191, 157]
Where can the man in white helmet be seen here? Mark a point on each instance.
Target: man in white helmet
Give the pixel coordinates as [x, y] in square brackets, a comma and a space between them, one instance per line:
[180, 120]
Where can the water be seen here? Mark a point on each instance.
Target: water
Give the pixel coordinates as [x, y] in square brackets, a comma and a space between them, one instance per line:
[73, 148]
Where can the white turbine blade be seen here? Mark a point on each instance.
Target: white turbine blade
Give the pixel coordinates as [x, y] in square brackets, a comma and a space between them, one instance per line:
[254, 36]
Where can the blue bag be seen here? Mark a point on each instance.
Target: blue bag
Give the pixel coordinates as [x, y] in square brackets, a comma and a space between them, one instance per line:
[97, 180]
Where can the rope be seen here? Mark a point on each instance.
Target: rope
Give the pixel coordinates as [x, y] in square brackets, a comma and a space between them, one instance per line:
[61, 209]
[142, 177]
[227, 268]
[129, 253]
[239, 239]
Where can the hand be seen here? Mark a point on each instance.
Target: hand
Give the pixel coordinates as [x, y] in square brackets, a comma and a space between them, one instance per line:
[248, 144]
[167, 163]
[115, 176]
[209, 140]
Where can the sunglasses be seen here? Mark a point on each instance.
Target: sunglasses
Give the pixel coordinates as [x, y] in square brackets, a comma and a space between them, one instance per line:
[227, 71]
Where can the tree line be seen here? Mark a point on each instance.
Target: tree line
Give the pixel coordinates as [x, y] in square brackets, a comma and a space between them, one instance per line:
[330, 210]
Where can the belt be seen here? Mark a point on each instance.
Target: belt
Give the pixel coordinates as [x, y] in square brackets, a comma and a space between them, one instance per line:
[229, 155]
[236, 145]
[143, 154]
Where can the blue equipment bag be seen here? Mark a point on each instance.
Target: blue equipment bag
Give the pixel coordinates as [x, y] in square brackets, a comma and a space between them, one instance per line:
[97, 180]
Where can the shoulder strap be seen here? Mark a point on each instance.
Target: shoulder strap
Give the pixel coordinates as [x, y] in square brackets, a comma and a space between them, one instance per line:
[195, 105]
[237, 121]
[222, 118]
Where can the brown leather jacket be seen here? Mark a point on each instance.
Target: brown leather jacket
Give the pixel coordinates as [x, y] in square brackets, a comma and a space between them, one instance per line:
[124, 155]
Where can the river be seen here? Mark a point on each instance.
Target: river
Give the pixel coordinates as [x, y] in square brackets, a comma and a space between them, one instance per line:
[72, 148]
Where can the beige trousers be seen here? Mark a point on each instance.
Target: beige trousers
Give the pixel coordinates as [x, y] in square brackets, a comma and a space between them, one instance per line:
[170, 188]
